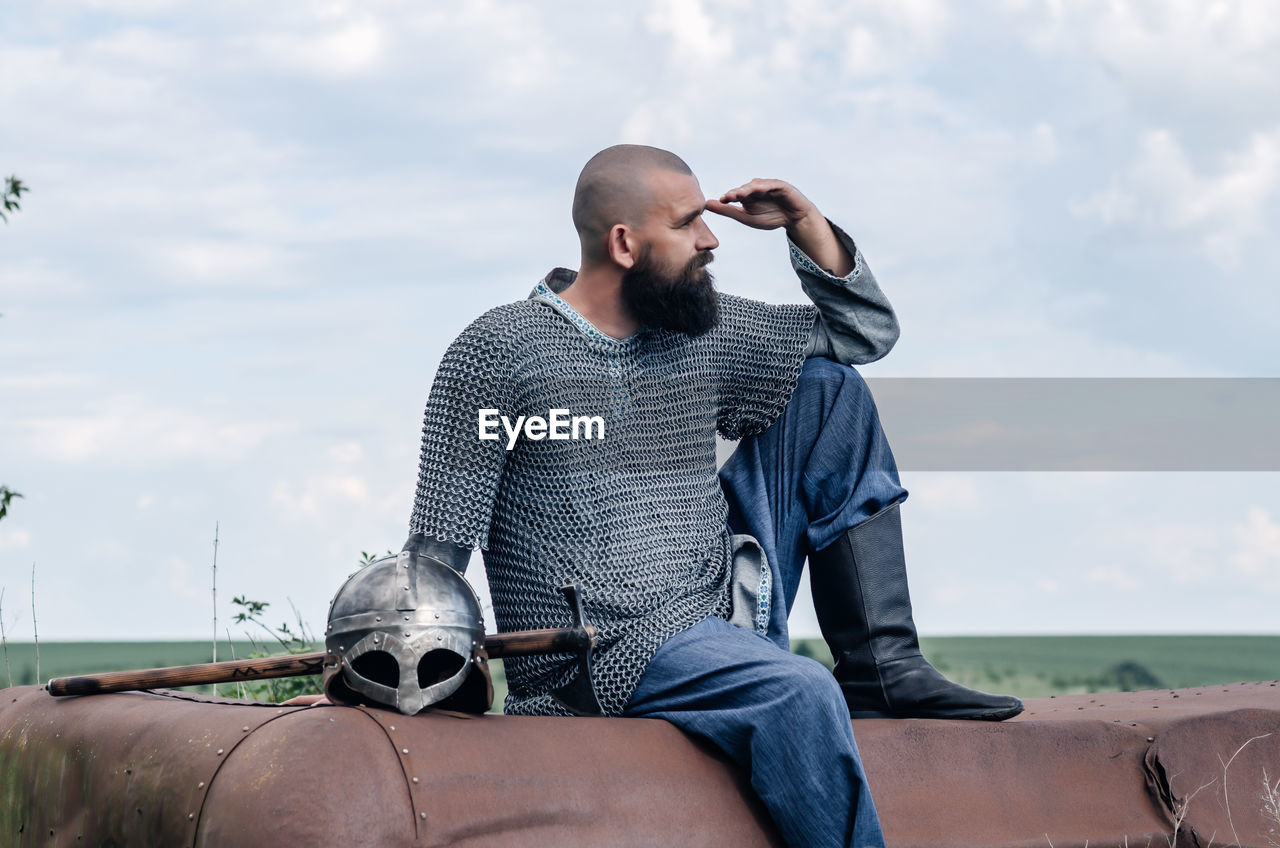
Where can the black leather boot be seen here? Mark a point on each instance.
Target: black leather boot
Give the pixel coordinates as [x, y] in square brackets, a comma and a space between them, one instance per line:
[860, 594]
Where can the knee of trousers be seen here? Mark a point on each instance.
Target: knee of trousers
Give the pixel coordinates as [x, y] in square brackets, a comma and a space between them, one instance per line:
[807, 690]
[831, 379]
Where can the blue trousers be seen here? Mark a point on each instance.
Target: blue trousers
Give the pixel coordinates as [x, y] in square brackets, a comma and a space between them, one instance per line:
[823, 467]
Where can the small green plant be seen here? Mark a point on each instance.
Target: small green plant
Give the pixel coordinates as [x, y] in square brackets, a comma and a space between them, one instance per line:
[13, 189]
[289, 640]
[6, 495]
[366, 558]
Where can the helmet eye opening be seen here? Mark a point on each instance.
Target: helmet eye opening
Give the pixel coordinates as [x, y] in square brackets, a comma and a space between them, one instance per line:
[379, 667]
[439, 665]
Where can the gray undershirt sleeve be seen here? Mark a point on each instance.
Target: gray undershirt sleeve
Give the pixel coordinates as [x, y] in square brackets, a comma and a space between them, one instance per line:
[454, 556]
[855, 324]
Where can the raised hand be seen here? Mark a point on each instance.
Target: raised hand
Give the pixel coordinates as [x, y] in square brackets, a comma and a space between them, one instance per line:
[769, 204]
[764, 204]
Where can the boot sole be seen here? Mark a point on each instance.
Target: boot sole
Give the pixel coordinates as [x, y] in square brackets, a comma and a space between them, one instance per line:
[996, 715]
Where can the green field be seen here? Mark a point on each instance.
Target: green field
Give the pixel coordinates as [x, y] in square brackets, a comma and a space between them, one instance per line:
[1035, 666]
[1027, 666]
[60, 659]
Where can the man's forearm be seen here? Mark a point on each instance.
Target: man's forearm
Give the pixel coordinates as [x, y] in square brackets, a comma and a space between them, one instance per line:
[813, 235]
[855, 323]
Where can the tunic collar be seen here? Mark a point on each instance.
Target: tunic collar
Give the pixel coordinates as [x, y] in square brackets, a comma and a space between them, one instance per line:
[557, 281]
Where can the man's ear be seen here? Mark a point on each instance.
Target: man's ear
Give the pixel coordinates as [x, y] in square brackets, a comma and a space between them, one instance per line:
[624, 245]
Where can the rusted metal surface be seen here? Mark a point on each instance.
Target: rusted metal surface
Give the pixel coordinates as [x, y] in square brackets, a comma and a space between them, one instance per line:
[112, 769]
[154, 769]
[1078, 770]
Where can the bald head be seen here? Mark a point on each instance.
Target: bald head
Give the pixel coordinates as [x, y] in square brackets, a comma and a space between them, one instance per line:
[614, 188]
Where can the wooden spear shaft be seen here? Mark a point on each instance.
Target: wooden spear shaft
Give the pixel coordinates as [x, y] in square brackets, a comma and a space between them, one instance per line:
[496, 645]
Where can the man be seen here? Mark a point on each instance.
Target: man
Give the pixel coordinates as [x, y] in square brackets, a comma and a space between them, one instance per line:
[688, 577]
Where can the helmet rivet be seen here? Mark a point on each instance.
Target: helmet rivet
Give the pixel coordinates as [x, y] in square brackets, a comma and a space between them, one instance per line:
[439, 638]
[377, 618]
[406, 588]
[406, 634]
[437, 615]
[376, 638]
[406, 618]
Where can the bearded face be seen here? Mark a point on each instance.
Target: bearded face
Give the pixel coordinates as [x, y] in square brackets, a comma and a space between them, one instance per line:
[683, 302]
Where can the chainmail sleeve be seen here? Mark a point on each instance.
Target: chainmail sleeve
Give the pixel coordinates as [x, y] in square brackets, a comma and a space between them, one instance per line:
[761, 349]
[458, 473]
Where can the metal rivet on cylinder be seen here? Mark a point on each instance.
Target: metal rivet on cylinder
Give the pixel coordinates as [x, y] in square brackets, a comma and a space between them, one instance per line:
[219, 750]
[415, 780]
[200, 785]
[190, 817]
[245, 729]
[424, 815]
[1151, 739]
[404, 750]
[393, 727]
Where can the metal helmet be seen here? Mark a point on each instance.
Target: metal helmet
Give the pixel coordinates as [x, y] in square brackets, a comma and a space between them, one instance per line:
[407, 632]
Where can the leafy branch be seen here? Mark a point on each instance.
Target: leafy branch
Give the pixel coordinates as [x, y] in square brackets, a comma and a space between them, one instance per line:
[290, 641]
[6, 495]
[13, 191]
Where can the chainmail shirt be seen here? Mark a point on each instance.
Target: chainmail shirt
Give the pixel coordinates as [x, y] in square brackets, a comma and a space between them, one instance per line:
[637, 518]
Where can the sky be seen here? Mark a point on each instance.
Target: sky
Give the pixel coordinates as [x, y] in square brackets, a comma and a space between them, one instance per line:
[252, 229]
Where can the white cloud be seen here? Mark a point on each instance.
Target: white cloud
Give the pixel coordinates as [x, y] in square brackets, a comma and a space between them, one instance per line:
[949, 492]
[346, 452]
[1161, 192]
[1258, 547]
[1113, 577]
[320, 496]
[187, 581]
[1181, 553]
[215, 260]
[14, 539]
[695, 36]
[336, 51]
[130, 429]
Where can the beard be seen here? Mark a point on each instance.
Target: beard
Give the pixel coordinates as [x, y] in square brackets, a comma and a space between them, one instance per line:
[684, 302]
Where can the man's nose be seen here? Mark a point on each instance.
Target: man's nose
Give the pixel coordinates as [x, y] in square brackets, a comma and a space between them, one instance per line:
[706, 239]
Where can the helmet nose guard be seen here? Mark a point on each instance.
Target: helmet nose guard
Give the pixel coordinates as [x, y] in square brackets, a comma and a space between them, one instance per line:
[407, 632]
